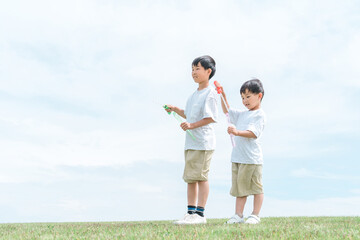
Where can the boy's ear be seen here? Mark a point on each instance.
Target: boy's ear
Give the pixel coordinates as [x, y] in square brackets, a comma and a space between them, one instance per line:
[209, 70]
[260, 95]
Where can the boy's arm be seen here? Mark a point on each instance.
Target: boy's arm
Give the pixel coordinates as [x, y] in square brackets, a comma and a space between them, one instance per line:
[225, 110]
[179, 111]
[247, 133]
[185, 125]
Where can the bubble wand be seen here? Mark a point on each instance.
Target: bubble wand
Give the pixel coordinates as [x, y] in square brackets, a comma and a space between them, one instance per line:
[180, 120]
[219, 91]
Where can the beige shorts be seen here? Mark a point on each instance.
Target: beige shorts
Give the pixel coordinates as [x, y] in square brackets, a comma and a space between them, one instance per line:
[197, 165]
[246, 179]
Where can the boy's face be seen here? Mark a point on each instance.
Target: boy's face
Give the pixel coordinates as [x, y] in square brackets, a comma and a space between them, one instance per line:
[200, 74]
[251, 101]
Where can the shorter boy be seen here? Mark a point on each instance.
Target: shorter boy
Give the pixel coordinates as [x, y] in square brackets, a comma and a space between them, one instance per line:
[247, 157]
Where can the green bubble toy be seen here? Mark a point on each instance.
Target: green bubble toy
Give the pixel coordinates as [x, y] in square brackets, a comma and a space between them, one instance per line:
[177, 117]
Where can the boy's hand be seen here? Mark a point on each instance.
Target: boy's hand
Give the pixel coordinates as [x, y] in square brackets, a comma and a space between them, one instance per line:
[222, 91]
[219, 88]
[186, 126]
[169, 108]
[232, 130]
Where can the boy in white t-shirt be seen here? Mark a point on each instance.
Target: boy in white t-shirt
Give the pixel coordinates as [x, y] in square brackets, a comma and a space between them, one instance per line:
[201, 113]
[246, 157]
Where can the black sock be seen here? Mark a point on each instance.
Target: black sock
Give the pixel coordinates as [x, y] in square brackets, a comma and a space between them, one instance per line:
[191, 209]
[200, 211]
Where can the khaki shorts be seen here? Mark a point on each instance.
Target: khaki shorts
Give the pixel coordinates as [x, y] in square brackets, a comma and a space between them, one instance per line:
[246, 179]
[197, 165]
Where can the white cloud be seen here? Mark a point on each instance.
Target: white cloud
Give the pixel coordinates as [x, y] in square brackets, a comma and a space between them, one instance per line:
[72, 205]
[356, 191]
[305, 173]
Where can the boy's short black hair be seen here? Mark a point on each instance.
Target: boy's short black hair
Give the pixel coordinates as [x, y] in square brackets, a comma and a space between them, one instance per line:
[253, 86]
[207, 62]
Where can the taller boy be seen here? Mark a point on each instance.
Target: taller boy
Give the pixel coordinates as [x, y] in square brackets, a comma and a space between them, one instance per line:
[200, 113]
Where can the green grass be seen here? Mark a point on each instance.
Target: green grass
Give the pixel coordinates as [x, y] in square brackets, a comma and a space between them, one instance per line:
[269, 228]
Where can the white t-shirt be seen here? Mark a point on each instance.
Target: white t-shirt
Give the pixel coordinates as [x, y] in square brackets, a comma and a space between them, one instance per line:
[248, 150]
[202, 104]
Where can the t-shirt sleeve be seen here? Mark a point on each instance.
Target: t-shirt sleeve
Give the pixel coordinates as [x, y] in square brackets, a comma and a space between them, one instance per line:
[257, 125]
[234, 115]
[211, 107]
[187, 107]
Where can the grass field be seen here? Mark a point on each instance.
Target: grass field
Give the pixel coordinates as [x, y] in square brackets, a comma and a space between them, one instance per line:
[269, 228]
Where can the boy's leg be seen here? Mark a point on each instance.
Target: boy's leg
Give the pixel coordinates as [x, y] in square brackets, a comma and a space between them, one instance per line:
[192, 193]
[240, 205]
[254, 217]
[203, 193]
[239, 210]
[198, 193]
[258, 200]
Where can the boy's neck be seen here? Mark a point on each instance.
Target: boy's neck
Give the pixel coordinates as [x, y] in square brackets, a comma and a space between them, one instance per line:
[256, 108]
[203, 85]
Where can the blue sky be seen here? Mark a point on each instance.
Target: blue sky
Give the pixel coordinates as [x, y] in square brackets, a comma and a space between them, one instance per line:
[84, 137]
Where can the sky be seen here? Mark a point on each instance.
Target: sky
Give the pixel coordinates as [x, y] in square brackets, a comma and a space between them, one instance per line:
[82, 83]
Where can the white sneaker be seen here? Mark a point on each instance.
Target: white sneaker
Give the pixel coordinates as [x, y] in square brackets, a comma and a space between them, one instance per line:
[195, 219]
[253, 219]
[183, 220]
[235, 219]
[191, 219]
